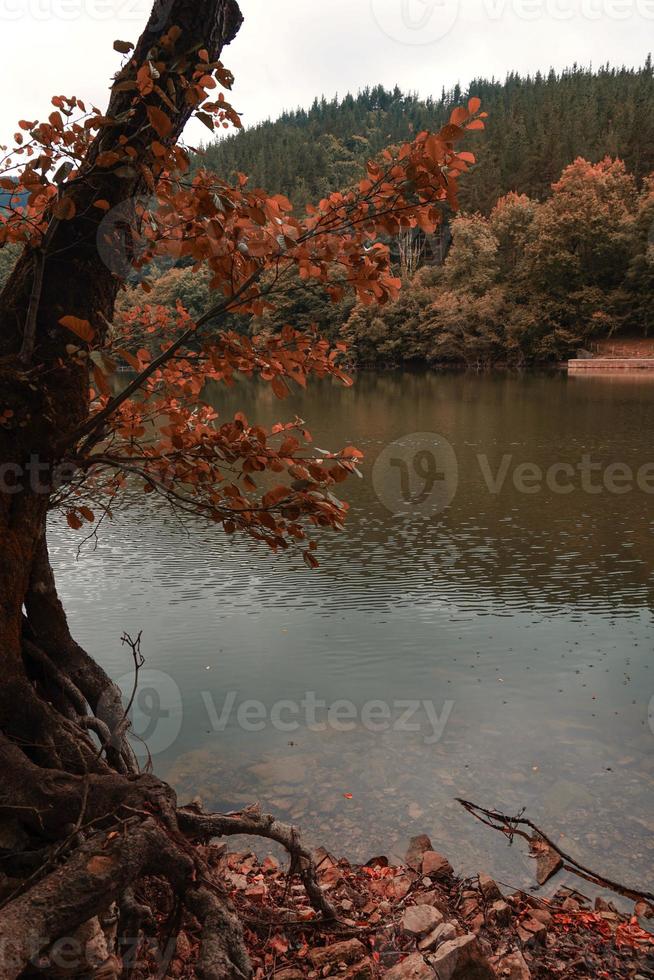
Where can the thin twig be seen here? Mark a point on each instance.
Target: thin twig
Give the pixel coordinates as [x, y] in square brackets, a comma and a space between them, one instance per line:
[511, 825]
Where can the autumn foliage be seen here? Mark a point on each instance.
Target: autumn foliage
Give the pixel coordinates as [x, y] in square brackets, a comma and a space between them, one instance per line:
[530, 283]
[159, 431]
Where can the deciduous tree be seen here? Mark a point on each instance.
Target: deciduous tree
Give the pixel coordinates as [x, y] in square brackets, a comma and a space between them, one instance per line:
[94, 198]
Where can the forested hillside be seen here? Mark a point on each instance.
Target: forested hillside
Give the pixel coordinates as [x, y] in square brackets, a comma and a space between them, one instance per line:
[553, 246]
[528, 284]
[536, 126]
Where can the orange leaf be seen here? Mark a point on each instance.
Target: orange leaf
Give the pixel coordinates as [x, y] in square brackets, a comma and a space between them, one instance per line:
[473, 105]
[131, 360]
[458, 116]
[65, 209]
[100, 864]
[450, 132]
[159, 121]
[205, 118]
[279, 386]
[434, 148]
[475, 124]
[273, 497]
[80, 327]
[100, 379]
[107, 159]
[144, 80]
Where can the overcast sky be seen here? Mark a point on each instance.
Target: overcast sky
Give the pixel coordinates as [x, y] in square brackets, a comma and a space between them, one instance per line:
[289, 51]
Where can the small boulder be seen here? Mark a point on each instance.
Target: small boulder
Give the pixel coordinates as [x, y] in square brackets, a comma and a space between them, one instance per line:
[431, 897]
[489, 889]
[256, 892]
[348, 951]
[532, 932]
[240, 882]
[417, 847]
[513, 966]
[476, 923]
[412, 968]
[441, 934]
[548, 862]
[435, 865]
[542, 915]
[499, 914]
[363, 970]
[396, 888]
[270, 864]
[469, 907]
[420, 919]
[322, 860]
[462, 959]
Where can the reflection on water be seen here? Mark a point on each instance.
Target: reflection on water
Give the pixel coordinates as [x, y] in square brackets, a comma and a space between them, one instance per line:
[524, 616]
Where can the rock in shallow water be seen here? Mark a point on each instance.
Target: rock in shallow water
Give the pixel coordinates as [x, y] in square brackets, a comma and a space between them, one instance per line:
[417, 847]
[435, 865]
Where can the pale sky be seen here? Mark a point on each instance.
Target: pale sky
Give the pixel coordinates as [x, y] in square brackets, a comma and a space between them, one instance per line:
[289, 51]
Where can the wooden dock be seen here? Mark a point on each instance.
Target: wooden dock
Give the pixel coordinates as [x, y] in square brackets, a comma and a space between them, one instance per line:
[594, 365]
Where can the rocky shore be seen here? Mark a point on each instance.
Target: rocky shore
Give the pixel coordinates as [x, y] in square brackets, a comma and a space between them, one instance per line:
[416, 921]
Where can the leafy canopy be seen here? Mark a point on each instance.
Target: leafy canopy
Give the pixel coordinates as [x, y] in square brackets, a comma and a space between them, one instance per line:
[159, 430]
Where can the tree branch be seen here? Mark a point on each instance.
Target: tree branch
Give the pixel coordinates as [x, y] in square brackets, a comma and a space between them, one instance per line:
[204, 826]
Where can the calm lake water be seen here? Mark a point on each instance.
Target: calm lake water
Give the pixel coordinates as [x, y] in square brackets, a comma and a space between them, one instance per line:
[520, 622]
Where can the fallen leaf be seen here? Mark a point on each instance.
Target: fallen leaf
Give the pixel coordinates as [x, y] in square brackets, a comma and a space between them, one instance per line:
[99, 865]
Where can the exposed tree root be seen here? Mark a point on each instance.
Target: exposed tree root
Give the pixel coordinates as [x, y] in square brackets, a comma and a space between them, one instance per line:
[117, 830]
[50, 803]
[90, 880]
[49, 642]
[223, 952]
[76, 709]
[252, 822]
[83, 827]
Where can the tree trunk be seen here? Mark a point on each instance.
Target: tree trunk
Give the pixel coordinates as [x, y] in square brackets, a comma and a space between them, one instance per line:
[58, 778]
[49, 397]
[79, 823]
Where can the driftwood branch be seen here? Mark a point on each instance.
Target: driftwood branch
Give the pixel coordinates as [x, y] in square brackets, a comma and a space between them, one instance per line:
[510, 826]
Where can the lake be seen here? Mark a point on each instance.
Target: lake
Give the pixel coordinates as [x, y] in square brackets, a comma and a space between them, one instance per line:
[482, 629]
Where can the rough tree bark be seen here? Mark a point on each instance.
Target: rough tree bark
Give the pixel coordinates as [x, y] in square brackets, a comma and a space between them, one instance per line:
[61, 798]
